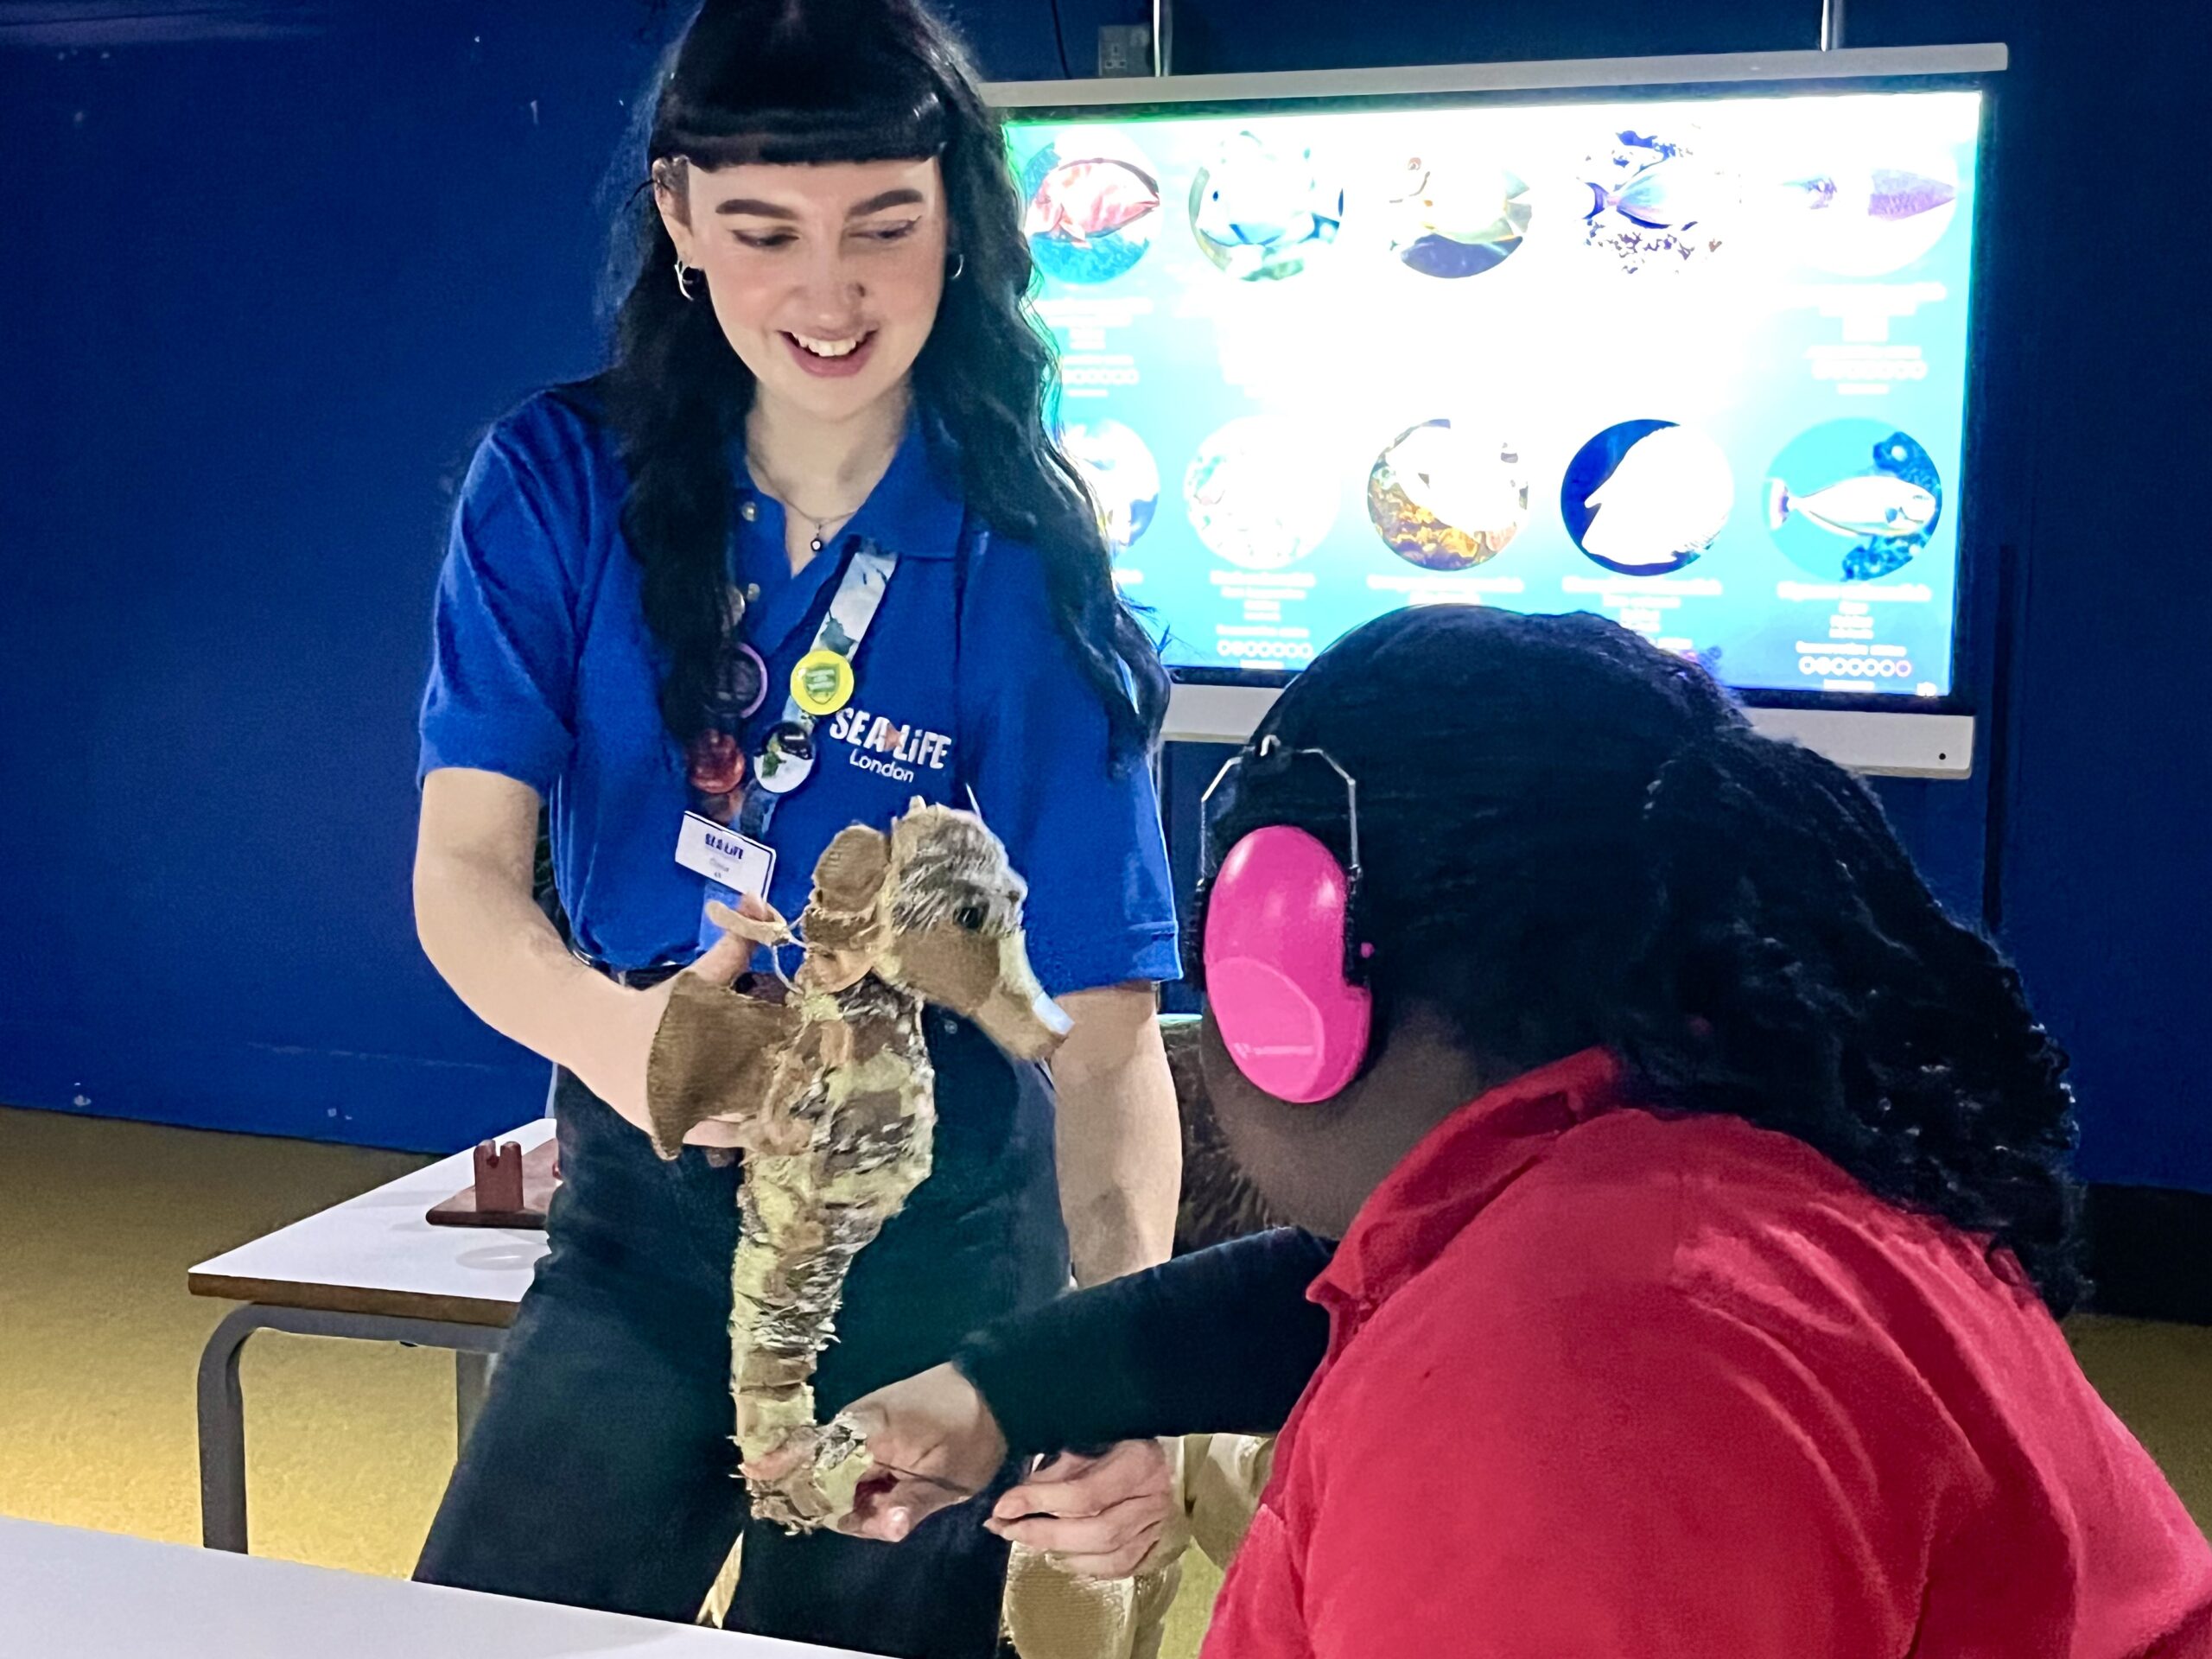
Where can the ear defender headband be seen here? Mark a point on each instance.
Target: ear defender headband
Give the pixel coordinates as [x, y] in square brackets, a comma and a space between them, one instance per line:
[1280, 961]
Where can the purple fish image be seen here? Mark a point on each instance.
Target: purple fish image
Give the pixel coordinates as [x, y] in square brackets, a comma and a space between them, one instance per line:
[1907, 195]
[1894, 195]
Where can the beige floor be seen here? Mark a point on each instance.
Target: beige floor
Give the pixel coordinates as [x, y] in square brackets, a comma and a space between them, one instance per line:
[349, 1443]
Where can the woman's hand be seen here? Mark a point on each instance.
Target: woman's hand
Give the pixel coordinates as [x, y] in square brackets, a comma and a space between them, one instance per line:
[613, 1063]
[1095, 1517]
[935, 1444]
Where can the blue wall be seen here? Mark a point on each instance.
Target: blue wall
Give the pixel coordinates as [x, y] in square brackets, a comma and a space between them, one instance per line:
[2105, 855]
[263, 290]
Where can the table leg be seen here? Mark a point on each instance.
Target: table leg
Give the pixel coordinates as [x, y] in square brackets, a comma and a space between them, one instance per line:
[222, 1433]
[222, 1406]
[472, 1374]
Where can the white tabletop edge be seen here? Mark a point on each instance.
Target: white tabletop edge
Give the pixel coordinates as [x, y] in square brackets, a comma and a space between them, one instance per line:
[66, 1593]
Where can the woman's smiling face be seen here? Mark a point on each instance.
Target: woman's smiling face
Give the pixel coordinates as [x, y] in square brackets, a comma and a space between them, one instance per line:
[825, 278]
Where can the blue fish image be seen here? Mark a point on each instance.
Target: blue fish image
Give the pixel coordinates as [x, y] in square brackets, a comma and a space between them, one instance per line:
[1662, 505]
[1668, 196]
[1231, 219]
[1253, 206]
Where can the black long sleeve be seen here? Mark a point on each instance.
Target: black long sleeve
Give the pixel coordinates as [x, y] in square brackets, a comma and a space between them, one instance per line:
[1221, 1341]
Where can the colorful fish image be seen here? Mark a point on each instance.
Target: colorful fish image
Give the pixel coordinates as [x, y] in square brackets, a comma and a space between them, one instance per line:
[1867, 220]
[1446, 500]
[1654, 205]
[1668, 196]
[1647, 497]
[1904, 195]
[1123, 477]
[1258, 214]
[1456, 220]
[1081, 199]
[1885, 508]
[1258, 494]
[1089, 218]
[1892, 194]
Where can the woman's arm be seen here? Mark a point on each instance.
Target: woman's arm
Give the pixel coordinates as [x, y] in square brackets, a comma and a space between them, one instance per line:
[1119, 1138]
[482, 930]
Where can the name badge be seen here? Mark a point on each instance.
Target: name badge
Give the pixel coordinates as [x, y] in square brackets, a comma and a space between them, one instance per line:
[725, 857]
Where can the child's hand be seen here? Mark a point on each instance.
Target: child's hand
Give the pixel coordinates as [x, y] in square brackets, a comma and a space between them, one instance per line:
[1095, 1517]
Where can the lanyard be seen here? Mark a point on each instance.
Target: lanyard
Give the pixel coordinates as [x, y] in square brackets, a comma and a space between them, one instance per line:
[727, 846]
[821, 684]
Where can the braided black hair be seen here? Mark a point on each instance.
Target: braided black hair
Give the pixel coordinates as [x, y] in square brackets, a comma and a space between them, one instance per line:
[1573, 839]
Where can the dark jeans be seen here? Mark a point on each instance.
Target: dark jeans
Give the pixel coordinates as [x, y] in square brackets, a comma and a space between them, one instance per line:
[602, 1473]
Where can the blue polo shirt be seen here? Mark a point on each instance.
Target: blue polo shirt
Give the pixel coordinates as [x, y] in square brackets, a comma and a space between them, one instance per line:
[545, 671]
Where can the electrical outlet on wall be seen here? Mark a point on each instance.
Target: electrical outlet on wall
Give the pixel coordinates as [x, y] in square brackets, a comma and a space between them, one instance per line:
[1124, 49]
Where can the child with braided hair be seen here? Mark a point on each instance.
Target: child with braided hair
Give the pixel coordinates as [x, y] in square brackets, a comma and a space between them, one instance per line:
[1703, 1205]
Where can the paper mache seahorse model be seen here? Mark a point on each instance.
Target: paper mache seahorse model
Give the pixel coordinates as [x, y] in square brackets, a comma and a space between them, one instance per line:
[833, 1093]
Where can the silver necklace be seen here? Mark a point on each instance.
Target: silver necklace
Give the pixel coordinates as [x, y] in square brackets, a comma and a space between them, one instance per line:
[821, 523]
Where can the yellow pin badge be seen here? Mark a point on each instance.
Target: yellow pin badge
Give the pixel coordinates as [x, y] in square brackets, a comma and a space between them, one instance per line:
[822, 681]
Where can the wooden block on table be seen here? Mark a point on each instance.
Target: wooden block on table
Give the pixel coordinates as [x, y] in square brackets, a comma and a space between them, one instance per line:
[513, 1188]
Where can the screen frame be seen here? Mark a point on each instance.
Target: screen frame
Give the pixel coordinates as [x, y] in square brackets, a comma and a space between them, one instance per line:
[1930, 737]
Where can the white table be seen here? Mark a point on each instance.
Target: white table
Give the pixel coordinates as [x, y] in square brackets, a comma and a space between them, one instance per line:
[66, 1594]
[371, 1268]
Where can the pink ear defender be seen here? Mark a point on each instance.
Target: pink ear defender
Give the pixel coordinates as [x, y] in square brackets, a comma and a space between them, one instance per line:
[1283, 971]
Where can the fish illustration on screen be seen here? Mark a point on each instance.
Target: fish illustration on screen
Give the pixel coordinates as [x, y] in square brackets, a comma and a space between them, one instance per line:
[1670, 195]
[1907, 195]
[1889, 510]
[1120, 473]
[1081, 199]
[1256, 206]
[1890, 193]
[1470, 206]
[1663, 505]
[1432, 469]
[1458, 220]
[1872, 504]
[1255, 211]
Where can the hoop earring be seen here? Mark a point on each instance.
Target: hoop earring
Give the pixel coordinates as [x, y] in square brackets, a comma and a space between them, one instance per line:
[959, 265]
[684, 278]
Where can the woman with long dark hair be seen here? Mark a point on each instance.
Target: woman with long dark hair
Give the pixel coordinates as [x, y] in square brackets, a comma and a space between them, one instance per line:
[806, 550]
[1702, 1196]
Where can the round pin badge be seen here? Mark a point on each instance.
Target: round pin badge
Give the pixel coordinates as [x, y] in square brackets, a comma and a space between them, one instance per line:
[751, 677]
[786, 757]
[716, 764]
[822, 681]
[739, 686]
